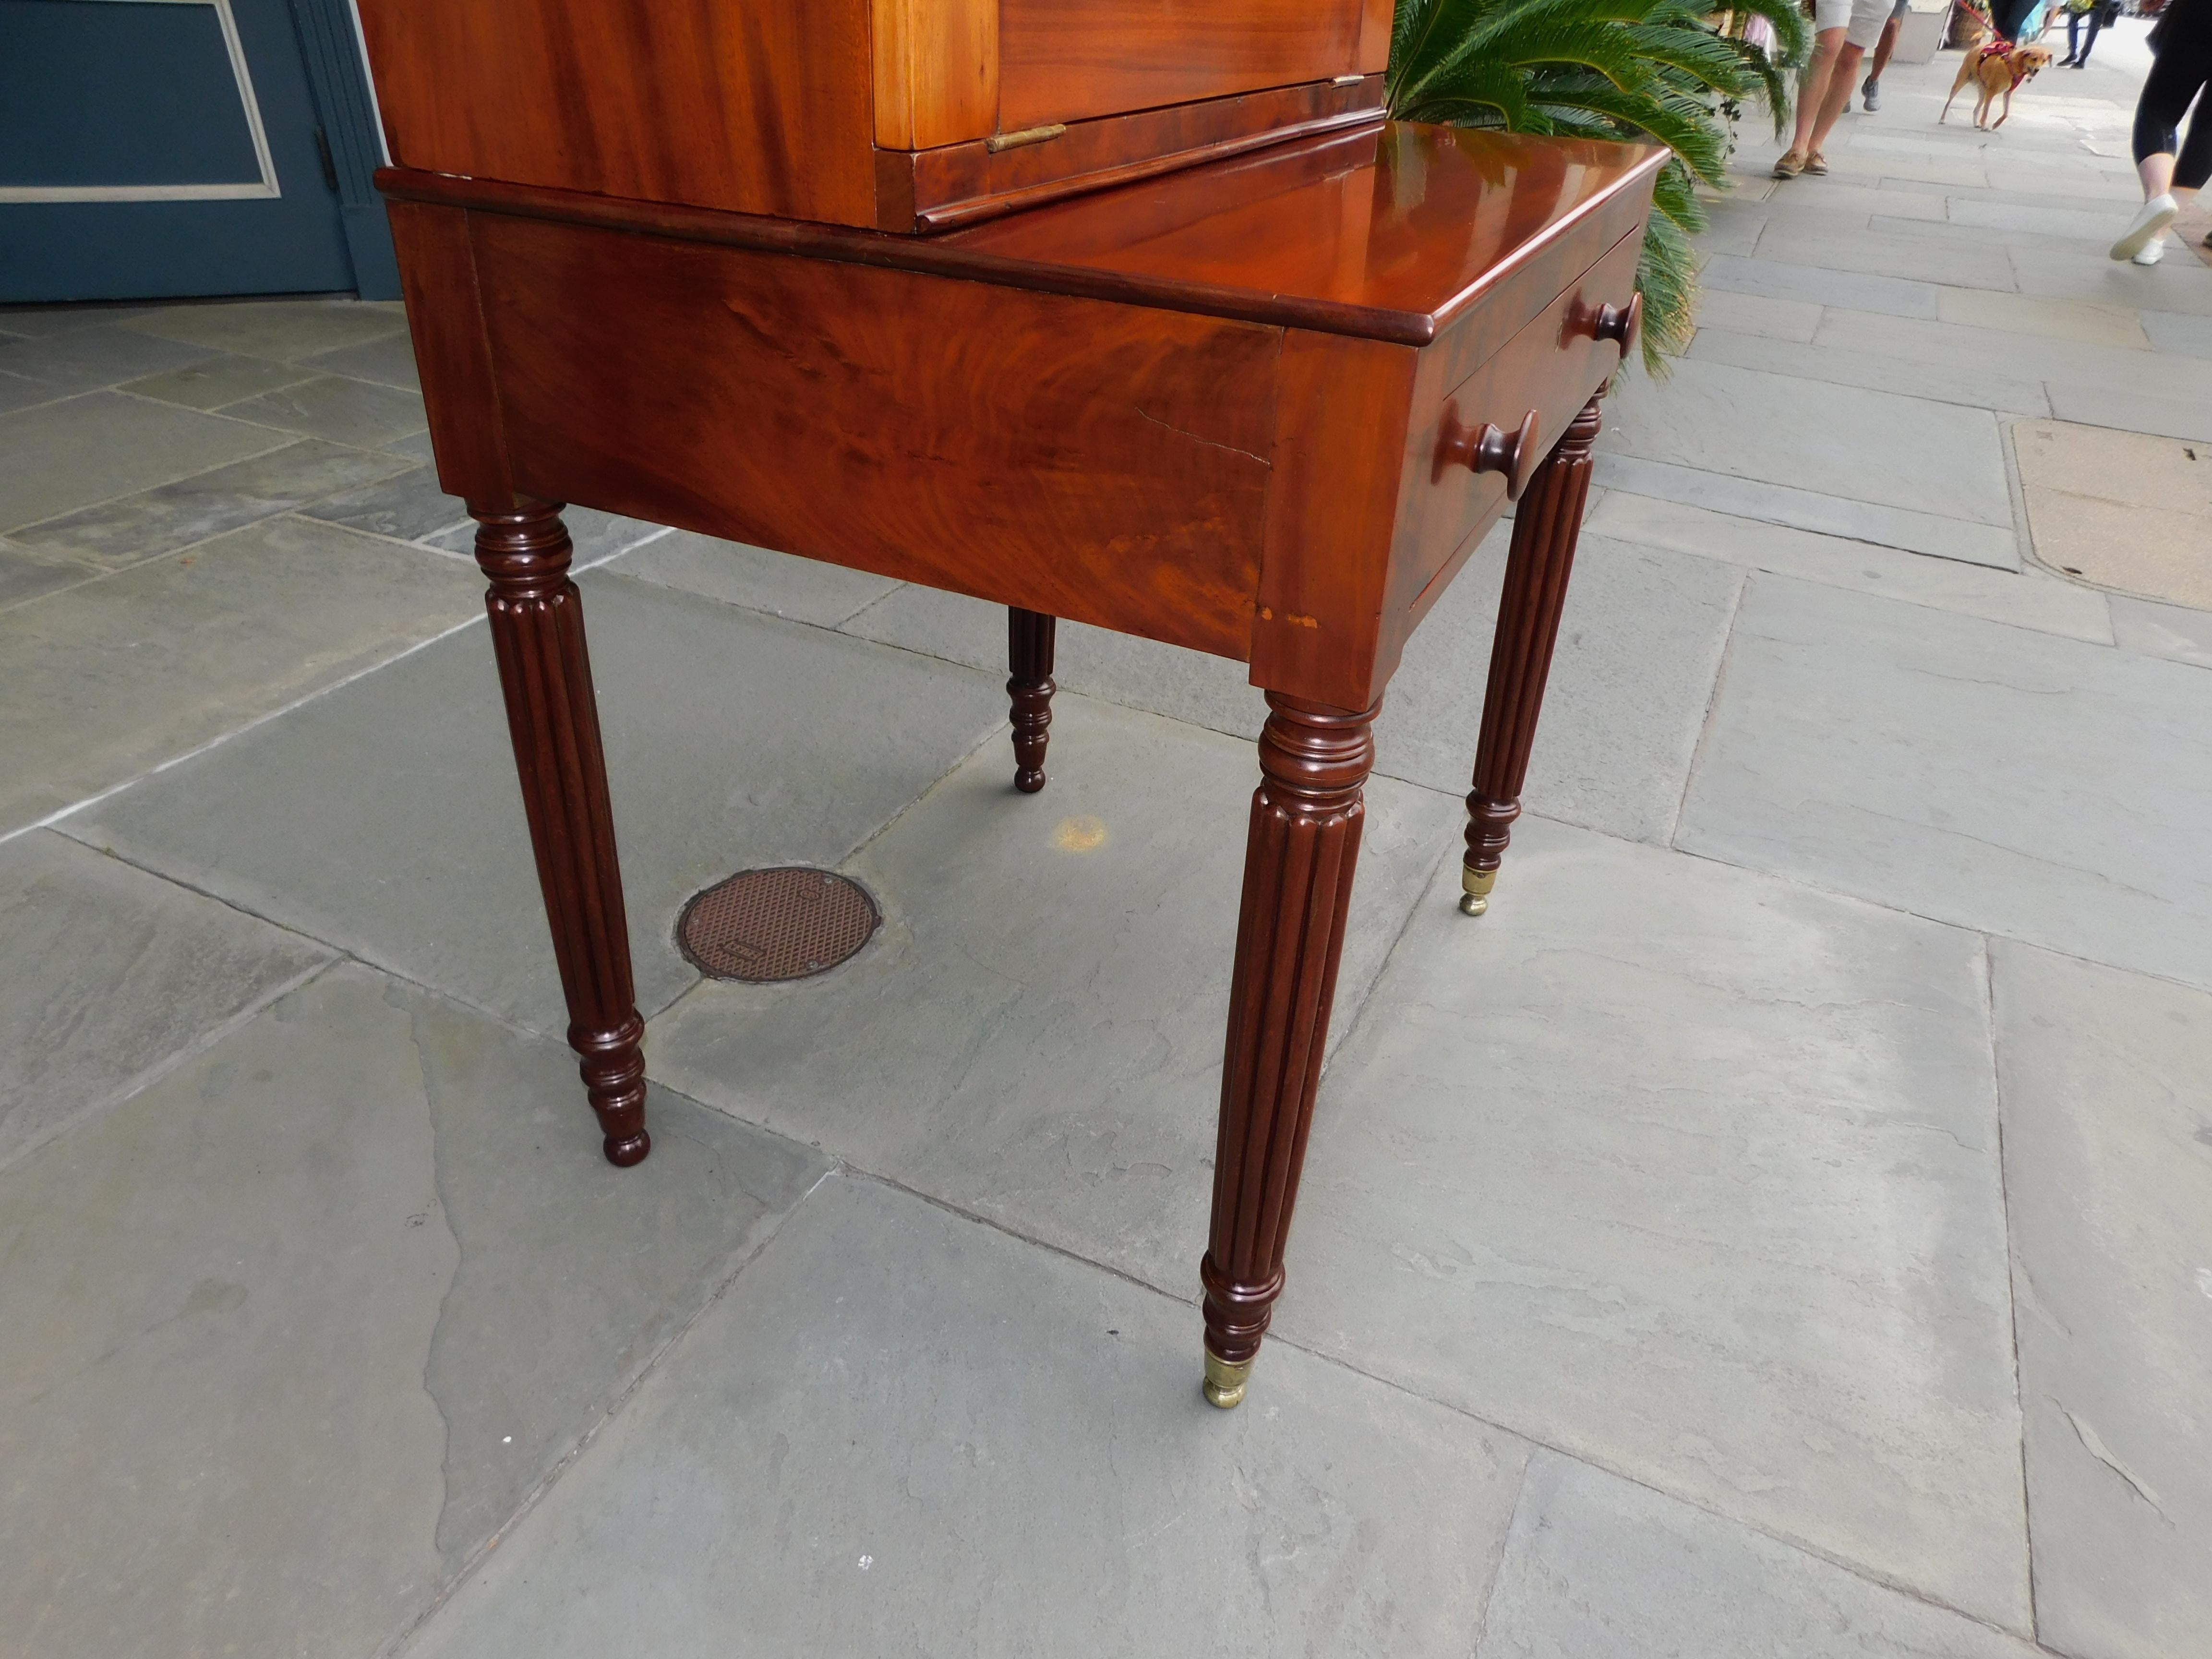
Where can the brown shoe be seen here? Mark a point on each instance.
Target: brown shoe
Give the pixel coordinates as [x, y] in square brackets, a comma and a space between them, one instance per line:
[1817, 163]
[1789, 165]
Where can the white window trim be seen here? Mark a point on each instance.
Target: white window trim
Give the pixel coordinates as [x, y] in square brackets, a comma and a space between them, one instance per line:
[264, 188]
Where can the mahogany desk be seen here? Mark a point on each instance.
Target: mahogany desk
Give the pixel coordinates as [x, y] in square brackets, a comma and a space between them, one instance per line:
[1263, 407]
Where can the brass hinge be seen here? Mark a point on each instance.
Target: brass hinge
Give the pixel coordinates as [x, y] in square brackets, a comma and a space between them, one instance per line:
[999, 141]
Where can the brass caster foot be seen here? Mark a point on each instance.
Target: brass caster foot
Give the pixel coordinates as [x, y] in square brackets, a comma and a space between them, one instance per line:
[1474, 889]
[1225, 1383]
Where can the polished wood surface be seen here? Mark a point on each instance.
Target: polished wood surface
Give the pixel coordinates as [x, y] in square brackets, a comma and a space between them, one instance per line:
[936, 71]
[1239, 408]
[545, 671]
[1392, 232]
[851, 111]
[964, 184]
[453, 356]
[1547, 368]
[1537, 572]
[1132, 458]
[1066, 60]
[1106, 462]
[1301, 848]
[765, 106]
[1029, 692]
[1340, 484]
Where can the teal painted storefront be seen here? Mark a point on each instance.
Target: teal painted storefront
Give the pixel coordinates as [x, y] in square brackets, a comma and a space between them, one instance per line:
[157, 149]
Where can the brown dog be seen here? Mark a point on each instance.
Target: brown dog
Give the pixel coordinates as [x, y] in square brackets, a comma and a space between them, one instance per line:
[1999, 68]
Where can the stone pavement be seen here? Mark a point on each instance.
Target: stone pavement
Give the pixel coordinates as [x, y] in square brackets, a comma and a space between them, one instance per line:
[1782, 1226]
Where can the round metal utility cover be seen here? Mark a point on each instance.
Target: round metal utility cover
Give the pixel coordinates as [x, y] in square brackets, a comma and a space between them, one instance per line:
[763, 926]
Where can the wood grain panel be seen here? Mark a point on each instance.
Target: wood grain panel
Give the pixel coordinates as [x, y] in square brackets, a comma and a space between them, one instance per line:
[1375, 36]
[1339, 456]
[1393, 232]
[1100, 462]
[1066, 60]
[964, 183]
[936, 71]
[1453, 222]
[762, 107]
[437, 274]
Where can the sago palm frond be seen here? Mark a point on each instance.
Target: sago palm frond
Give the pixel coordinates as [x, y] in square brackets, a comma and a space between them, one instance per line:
[1460, 31]
[1699, 53]
[1651, 70]
[1457, 98]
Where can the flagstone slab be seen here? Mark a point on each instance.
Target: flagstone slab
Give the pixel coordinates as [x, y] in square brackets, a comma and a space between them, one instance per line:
[117, 677]
[1599, 1568]
[131, 529]
[62, 456]
[386, 818]
[1877, 447]
[2107, 1087]
[901, 1431]
[288, 1337]
[1035, 1034]
[111, 975]
[1692, 1174]
[2044, 788]
[284, 331]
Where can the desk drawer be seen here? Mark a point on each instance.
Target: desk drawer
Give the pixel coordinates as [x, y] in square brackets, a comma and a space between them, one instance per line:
[1551, 366]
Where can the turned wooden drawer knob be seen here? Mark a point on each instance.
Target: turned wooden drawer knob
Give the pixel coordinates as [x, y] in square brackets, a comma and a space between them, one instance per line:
[1488, 448]
[1619, 323]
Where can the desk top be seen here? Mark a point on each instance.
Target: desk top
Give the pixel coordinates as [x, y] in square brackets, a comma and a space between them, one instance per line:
[1391, 231]
[1387, 232]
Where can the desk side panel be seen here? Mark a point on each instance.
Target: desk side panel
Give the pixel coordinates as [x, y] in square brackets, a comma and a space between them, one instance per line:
[1100, 462]
[1343, 407]
[762, 107]
[445, 319]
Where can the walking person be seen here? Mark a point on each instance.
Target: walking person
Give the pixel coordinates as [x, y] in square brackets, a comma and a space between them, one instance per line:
[2173, 169]
[2099, 14]
[1842, 32]
[1870, 92]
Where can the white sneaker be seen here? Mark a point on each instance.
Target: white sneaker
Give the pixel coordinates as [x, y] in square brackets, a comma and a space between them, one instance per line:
[2147, 227]
[2151, 254]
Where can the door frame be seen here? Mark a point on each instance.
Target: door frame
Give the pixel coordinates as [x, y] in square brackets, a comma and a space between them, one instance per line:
[348, 140]
[345, 102]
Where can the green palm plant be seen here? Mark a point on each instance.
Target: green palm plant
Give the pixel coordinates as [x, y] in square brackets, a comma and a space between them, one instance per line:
[1644, 70]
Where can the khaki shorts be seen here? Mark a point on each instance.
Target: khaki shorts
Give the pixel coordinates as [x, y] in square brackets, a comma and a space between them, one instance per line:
[1860, 20]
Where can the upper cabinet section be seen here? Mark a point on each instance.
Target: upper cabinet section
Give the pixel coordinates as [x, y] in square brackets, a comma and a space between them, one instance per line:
[905, 115]
[764, 106]
[1074, 60]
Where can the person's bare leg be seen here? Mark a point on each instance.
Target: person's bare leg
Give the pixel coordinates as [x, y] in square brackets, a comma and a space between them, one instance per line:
[2162, 204]
[1839, 93]
[1884, 47]
[1813, 88]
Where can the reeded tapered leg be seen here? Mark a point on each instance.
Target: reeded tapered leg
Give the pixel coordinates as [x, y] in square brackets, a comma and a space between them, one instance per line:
[1028, 656]
[1298, 859]
[538, 632]
[1546, 524]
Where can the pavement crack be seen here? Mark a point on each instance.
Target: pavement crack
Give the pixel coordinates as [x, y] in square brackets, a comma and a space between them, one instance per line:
[2097, 1448]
